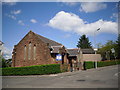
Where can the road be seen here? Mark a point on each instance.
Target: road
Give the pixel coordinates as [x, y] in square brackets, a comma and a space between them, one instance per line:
[104, 77]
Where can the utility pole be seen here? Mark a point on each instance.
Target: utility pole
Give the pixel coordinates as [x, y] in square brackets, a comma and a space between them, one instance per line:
[95, 49]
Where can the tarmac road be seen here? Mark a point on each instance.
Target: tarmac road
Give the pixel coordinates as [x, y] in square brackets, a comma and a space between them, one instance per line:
[104, 77]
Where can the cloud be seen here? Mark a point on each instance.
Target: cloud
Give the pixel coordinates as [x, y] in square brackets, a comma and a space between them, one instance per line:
[21, 22]
[16, 12]
[10, 2]
[66, 36]
[114, 15]
[11, 16]
[88, 7]
[33, 21]
[70, 22]
[7, 53]
[70, 3]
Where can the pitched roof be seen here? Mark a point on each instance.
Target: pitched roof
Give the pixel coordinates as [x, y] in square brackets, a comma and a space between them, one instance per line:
[55, 49]
[73, 52]
[48, 41]
[88, 51]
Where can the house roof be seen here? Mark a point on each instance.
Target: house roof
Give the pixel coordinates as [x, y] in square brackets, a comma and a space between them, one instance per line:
[48, 41]
[55, 49]
[88, 51]
[73, 52]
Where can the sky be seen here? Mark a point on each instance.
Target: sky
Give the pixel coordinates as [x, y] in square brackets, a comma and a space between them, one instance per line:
[63, 22]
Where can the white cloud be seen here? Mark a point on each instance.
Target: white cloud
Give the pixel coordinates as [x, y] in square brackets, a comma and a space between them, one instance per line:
[114, 15]
[73, 23]
[33, 21]
[67, 36]
[10, 2]
[11, 16]
[7, 53]
[70, 3]
[92, 6]
[21, 22]
[16, 12]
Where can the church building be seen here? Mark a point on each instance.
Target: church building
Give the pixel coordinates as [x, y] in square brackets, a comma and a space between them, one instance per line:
[35, 49]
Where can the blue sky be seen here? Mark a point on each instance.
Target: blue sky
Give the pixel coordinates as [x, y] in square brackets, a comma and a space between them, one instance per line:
[61, 22]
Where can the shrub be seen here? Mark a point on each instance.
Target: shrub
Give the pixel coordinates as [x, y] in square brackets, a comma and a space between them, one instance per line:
[32, 70]
[90, 64]
[108, 63]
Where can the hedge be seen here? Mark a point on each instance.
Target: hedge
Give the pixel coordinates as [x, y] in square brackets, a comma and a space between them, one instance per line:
[32, 70]
[90, 64]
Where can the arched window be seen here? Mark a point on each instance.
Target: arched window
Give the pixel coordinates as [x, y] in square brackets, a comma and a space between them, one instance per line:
[34, 52]
[29, 51]
[25, 52]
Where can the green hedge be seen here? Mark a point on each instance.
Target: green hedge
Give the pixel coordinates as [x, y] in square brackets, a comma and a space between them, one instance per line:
[90, 64]
[107, 63]
[32, 70]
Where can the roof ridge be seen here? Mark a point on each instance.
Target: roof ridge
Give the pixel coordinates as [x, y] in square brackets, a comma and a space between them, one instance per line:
[47, 39]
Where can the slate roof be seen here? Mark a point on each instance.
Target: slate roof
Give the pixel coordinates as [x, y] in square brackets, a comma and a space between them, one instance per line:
[48, 41]
[55, 49]
[73, 52]
[88, 51]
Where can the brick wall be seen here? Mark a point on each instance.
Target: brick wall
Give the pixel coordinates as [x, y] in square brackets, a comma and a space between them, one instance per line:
[91, 57]
[42, 52]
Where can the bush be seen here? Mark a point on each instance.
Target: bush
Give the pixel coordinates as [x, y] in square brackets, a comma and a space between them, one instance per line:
[32, 70]
[107, 63]
[4, 64]
[90, 64]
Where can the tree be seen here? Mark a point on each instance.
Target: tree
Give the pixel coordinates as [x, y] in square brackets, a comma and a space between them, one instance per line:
[84, 42]
[118, 47]
[106, 52]
[4, 62]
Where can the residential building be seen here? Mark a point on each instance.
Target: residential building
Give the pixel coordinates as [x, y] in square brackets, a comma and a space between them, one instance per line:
[77, 56]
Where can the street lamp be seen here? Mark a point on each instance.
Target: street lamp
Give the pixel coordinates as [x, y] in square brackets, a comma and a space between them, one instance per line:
[95, 49]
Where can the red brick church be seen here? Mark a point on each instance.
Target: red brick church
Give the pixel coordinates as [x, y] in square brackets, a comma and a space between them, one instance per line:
[35, 49]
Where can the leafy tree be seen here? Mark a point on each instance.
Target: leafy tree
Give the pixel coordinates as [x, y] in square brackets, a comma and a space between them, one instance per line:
[4, 62]
[84, 42]
[105, 50]
[118, 47]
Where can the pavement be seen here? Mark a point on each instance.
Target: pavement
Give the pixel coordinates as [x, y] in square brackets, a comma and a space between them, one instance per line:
[104, 77]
